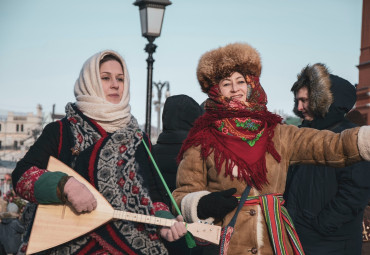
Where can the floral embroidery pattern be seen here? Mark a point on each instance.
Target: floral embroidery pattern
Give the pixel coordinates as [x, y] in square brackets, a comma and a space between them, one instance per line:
[121, 182]
[159, 206]
[144, 201]
[227, 127]
[247, 123]
[26, 184]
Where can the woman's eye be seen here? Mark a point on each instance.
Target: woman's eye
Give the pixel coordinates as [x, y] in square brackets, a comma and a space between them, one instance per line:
[105, 78]
[120, 79]
[241, 82]
[225, 84]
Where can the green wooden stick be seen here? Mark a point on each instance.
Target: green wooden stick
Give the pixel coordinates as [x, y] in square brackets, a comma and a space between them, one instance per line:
[162, 179]
[188, 237]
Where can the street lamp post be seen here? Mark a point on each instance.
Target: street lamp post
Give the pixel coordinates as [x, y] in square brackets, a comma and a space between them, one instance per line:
[160, 85]
[151, 19]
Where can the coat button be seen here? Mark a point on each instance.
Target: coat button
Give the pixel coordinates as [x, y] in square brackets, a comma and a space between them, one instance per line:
[254, 250]
[252, 212]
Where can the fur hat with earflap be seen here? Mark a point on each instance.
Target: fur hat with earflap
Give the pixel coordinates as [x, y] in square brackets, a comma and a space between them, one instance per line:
[220, 63]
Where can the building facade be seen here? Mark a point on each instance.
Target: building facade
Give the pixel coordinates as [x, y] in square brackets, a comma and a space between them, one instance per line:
[363, 87]
[18, 131]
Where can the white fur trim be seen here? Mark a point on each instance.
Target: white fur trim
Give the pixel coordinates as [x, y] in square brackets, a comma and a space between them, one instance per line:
[235, 171]
[363, 142]
[189, 205]
[260, 233]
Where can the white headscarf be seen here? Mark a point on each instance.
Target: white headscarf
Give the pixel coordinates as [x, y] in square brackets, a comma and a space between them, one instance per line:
[91, 99]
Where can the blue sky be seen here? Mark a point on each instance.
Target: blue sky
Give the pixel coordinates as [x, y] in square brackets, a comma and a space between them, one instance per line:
[44, 43]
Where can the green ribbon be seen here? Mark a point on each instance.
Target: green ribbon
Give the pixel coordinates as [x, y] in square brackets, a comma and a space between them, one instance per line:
[188, 237]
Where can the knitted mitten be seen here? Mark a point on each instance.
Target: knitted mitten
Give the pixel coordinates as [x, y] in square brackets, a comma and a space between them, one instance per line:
[80, 197]
[217, 204]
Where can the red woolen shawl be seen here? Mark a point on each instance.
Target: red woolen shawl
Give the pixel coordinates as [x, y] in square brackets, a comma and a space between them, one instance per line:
[238, 133]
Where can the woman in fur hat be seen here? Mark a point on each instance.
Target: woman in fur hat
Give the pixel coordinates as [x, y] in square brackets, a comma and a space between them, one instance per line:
[102, 141]
[238, 142]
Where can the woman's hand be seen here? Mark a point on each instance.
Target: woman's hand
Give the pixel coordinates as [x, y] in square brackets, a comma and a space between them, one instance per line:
[175, 232]
[80, 197]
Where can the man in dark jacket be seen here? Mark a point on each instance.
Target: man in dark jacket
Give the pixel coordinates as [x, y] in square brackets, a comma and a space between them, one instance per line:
[179, 113]
[326, 204]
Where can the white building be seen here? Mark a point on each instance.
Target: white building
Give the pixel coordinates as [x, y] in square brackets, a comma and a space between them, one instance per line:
[18, 131]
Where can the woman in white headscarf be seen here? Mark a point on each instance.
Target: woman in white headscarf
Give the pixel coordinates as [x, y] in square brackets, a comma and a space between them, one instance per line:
[101, 140]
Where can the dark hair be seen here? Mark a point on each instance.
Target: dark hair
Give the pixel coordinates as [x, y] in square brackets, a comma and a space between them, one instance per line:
[109, 57]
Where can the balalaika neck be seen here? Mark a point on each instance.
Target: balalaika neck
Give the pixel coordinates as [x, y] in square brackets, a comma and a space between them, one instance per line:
[123, 215]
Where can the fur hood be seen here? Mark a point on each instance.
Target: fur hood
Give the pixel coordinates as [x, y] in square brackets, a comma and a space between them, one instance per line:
[220, 63]
[317, 80]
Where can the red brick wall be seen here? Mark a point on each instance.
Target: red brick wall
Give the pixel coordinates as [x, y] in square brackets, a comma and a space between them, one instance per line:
[363, 87]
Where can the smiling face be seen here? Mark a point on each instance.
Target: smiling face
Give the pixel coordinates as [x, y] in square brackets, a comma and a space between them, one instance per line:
[112, 79]
[234, 87]
[303, 103]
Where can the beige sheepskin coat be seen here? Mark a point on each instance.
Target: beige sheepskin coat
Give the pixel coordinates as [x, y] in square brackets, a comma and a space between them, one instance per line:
[197, 177]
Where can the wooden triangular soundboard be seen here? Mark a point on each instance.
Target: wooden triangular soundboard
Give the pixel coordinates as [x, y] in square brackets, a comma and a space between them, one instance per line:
[57, 224]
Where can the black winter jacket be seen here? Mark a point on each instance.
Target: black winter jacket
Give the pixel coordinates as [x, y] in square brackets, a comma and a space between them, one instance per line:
[327, 204]
[179, 113]
[11, 231]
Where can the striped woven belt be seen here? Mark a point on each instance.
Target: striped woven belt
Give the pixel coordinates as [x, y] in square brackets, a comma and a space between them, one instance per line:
[277, 217]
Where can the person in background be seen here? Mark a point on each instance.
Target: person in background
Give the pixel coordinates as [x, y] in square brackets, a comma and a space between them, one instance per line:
[6, 184]
[237, 143]
[179, 114]
[101, 140]
[3, 203]
[26, 219]
[325, 203]
[11, 229]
